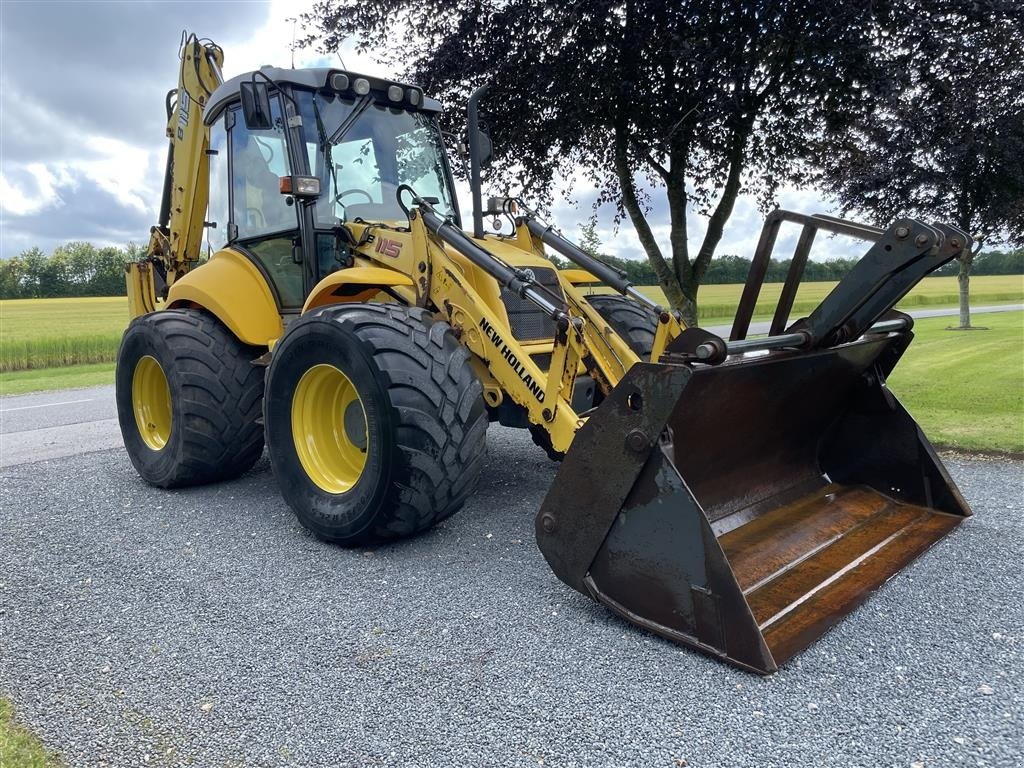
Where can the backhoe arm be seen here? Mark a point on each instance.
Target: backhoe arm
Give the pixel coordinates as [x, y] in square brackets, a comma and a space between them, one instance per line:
[176, 239]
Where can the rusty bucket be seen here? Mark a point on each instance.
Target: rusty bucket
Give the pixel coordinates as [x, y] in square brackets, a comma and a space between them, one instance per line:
[744, 509]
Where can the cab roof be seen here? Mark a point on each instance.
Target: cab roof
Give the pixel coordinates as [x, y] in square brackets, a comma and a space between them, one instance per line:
[315, 78]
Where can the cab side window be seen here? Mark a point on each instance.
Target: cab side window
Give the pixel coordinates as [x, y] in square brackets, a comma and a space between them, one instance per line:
[258, 160]
[217, 207]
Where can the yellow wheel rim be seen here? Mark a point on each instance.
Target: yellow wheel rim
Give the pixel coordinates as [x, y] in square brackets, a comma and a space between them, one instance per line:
[329, 428]
[151, 401]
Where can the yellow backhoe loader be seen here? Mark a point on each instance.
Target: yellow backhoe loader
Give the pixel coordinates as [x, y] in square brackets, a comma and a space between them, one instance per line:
[734, 495]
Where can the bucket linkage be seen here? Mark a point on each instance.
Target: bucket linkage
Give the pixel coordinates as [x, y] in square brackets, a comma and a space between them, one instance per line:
[742, 496]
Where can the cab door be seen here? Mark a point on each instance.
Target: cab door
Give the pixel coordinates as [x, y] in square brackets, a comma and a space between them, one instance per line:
[263, 222]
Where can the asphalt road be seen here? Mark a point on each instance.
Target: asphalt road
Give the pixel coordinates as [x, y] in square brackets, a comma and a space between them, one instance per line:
[206, 627]
[50, 425]
[762, 327]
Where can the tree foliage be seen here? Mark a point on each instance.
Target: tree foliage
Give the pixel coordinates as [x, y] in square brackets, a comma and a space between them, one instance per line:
[74, 269]
[673, 106]
[948, 142]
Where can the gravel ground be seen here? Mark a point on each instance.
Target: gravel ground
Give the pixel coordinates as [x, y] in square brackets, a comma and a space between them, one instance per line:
[206, 627]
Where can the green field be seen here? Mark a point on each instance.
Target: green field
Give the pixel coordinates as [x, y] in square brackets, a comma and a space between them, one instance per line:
[50, 333]
[966, 388]
[46, 333]
[18, 747]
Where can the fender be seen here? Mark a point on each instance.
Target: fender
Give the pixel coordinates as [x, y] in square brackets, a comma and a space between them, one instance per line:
[231, 287]
[354, 284]
[578, 276]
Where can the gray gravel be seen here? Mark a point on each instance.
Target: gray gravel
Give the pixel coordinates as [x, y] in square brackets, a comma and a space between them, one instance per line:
[206, 627]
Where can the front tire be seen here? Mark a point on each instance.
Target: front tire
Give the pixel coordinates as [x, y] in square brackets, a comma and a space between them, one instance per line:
[635, 323]
[188, 399]
[375, 422]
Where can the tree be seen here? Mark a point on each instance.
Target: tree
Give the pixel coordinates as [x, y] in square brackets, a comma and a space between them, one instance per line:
[72, 269]
[679, 105]
[947, 144]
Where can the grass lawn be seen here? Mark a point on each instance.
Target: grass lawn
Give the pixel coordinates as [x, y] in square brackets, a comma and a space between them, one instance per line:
[66, 377]
[18, 747]
[966, 388]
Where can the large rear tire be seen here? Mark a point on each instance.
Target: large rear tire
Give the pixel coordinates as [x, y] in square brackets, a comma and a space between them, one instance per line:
[635, 323]
[188, 399]
[375, 422]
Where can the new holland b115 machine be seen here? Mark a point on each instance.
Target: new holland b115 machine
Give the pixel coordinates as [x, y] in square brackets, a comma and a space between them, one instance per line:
[735, 495]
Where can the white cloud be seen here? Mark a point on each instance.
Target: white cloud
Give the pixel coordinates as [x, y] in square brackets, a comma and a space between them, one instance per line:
[272, 43]
[32, 188]
[60, 147]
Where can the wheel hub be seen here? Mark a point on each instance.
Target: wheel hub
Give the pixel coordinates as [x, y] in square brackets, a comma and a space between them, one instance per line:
[151, 401]
[329, 428]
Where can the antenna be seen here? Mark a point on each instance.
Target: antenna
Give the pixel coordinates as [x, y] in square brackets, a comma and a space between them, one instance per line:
[293, 42]
[338, 52]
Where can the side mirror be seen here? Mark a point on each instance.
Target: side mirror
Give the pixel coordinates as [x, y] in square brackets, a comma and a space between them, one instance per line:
[484, 147]
[256, 105]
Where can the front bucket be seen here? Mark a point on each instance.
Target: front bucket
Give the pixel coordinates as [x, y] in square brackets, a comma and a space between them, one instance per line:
[744, 509]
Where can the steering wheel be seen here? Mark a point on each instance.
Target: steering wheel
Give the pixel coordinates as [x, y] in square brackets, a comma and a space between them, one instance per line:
[353, 191]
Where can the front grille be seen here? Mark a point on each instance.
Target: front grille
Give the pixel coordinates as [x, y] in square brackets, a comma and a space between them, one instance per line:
[527, 321]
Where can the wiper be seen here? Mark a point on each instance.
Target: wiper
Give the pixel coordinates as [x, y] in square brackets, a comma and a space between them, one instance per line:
[325, 144]
[346, 124]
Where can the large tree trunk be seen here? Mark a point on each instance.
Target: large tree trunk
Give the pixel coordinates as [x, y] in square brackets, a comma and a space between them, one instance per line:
[964, 279]
[688, 309]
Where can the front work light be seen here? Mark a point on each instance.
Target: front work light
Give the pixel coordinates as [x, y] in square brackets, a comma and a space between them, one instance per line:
[300, 186]
[395, 92]
[362, 86]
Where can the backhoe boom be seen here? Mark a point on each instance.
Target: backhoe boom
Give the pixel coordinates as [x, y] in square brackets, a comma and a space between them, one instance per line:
[176, 239]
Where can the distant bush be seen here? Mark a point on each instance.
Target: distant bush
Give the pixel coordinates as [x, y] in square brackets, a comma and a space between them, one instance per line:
[74, 269]
[82, 269]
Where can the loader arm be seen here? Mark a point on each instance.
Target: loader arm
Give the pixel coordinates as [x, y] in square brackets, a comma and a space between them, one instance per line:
[176, 238]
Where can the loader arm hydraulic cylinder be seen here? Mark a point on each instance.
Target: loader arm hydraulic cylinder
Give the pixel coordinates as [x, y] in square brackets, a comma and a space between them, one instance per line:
[505, 275]
[712, 353]
[606, 273]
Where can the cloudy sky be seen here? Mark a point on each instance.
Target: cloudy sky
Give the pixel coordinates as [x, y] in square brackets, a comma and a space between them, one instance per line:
[82, 145]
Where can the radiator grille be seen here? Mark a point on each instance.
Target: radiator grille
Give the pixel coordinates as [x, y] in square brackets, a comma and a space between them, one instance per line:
[527, 321]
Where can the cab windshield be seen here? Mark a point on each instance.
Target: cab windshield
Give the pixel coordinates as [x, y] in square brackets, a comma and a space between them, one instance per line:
[363, 151]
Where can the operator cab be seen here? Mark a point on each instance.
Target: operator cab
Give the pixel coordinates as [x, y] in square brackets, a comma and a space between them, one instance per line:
[295, 155]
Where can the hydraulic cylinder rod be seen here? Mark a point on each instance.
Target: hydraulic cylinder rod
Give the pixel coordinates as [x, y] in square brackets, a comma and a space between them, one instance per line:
[708, 351]
[506, 276]
[605, 272]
